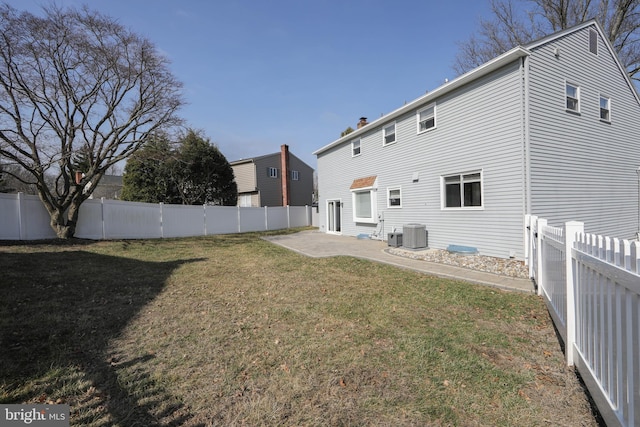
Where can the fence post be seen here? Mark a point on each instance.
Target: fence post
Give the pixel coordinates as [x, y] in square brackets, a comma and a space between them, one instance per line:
[161, 221]
[204, 213]
[571, 228]
[531, 232]
[266, 219]
[288, 217]
[104, 233]
[527, 241]
[540, 224]
[239, 219]
[22, 221]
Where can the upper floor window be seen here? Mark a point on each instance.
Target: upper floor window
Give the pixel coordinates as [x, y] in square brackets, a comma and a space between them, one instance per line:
[295, 175]
[573, 97]
[605, 109]
[394, 197]
[273, 172]
[389, 134]
[426, 118]
[355, 147]
[462, 190]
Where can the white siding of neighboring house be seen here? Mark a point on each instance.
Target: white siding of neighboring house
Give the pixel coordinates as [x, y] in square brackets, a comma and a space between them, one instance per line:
[478, 127]
[581, 168]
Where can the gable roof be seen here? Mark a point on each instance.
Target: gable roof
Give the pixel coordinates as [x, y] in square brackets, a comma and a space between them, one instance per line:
[477, 73]
[591, 23]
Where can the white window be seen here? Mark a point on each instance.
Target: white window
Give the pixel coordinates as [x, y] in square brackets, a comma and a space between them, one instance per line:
[295, 175]
[573, 97]
[364, 205]
[273, 172]
[426, 118]
[394, 197]
[355, 147]
[462, 190]
[389, 134]
[605, 109]
[244, 200]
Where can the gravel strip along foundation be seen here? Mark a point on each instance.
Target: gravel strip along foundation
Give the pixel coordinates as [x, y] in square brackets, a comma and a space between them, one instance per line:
[504, 267]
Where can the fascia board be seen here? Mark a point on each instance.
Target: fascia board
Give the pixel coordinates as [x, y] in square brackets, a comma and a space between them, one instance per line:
[475, 74]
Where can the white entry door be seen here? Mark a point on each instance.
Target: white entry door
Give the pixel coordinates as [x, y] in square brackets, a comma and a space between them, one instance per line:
[334, 216]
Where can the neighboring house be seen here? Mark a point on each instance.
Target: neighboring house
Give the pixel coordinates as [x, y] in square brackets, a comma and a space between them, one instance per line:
[109, 187]
[550, 129]
[278, 179]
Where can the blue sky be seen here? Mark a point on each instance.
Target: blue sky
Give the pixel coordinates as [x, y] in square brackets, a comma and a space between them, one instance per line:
[258, 74]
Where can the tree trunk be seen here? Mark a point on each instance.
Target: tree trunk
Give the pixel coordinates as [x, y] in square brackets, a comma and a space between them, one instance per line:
[63, 222]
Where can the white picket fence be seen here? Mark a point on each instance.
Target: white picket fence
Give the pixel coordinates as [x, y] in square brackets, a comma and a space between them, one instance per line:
[23, 217]
[591, 285]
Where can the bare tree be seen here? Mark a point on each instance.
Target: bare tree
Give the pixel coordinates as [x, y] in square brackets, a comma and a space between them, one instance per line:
[75, 82]
[518, 22]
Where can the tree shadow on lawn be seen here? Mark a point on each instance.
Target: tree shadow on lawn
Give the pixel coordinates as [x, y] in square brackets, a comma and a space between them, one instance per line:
[59, 312]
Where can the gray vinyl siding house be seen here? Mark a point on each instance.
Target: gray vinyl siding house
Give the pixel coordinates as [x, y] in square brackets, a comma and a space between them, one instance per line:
[495, 144]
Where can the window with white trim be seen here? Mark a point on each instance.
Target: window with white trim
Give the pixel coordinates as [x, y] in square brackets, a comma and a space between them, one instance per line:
[355, 147]
[389, 134]
[572, 93]
[364, 205]
[295, 175]
[426, 118]
[273, 172]
[462, 190]
[394, 197]
[605, 109]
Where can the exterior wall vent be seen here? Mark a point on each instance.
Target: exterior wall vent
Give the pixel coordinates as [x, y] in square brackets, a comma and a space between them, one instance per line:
[414, 236]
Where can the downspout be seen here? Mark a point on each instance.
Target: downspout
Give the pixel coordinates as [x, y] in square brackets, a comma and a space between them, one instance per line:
[526, 155]
[526, 137]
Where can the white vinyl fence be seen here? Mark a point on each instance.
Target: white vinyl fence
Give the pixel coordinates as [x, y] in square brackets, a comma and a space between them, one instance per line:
[23, 217]
[591, 285]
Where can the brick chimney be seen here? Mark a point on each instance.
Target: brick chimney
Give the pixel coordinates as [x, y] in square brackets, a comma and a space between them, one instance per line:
[284, 162]
[363, 122]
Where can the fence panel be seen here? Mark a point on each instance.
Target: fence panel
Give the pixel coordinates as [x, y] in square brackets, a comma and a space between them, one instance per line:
[90, 223]
[252, 219]
[221, 219]
[9, 217]
[299, 216]
[23, 217]
[131, 220]
[277, 217]
[607, 347]
[182, 221]
[35, 219]
[553, 278]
